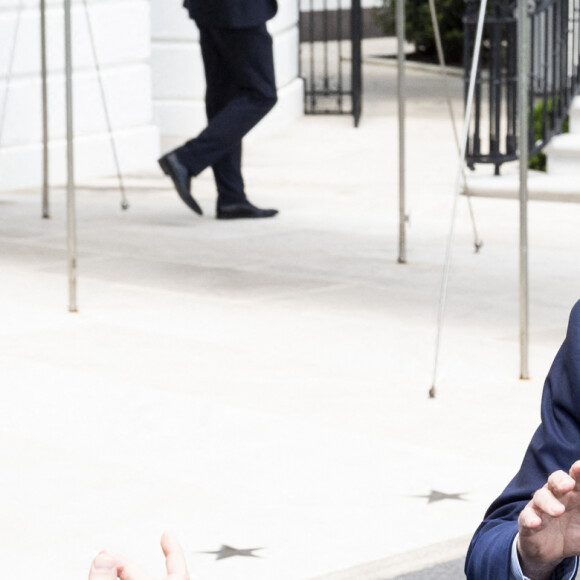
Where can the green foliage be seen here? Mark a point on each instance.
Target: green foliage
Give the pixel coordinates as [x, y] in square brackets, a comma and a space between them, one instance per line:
[419, 27]
[384, 17]
[538, 161]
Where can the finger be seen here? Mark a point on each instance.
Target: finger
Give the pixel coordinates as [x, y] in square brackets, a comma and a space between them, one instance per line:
[575, 474]
[529, 520]
[104, 567]
[128, 570]
[174, 556]
[545, 502]
[560, 483]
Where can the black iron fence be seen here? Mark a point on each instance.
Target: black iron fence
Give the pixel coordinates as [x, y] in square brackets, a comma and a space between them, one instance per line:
[554, 76]
[330, 56]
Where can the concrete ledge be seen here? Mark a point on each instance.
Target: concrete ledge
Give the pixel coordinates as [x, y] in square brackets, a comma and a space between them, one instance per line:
[574, 115]
[391, 61]
[563, 154]
[137, 148]
[405, 563]
[541, 187]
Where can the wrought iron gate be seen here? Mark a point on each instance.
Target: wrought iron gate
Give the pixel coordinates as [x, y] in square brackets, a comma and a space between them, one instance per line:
[330, 56]
[554, 76]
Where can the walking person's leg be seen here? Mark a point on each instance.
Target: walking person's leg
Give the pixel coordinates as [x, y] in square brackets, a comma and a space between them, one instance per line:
[221, 88]
[241, 89]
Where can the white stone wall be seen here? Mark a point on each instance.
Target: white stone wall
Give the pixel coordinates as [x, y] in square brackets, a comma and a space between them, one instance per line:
[178, 79]
[122, 34]
[309, 5]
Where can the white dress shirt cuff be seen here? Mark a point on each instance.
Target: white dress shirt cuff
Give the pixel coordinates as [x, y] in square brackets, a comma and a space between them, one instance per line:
[566, 571]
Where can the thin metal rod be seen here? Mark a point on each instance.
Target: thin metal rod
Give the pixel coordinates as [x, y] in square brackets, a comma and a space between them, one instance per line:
[10, 70]
[461, 163]
[443, 67]
[340, 56]
[523, 30]
[45, 155]
[356, 61]
[326, 77]
[124, 202]
[70, 191]
[401, 96]
[312, 59]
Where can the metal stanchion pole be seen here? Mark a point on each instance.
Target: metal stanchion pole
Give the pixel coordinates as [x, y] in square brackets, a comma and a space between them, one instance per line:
[70, 197]
[401, 102]
[45, 201]
[356, 35]
[523, 31]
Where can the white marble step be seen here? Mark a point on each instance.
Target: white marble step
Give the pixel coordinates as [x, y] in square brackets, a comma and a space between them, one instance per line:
[574, 115]
[541, 186]
[561, 181]
[563, 154]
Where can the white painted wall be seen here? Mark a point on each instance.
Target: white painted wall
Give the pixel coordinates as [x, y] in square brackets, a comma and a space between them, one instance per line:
[153, 77]
[122, 36]
[336, 4]
[178, 79]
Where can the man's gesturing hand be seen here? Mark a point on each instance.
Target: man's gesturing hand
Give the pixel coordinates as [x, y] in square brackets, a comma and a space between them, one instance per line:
[549, 525]
[108, 566]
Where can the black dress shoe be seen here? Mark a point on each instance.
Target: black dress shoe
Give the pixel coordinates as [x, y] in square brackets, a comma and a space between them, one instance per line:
[244, 209]
[181, 179]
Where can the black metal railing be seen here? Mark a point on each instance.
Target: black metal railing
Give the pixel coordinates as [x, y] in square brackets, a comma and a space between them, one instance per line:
[330, 56]
[554, 76]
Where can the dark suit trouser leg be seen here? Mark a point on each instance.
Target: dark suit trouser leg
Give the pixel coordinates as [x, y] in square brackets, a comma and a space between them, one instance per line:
[241, 89]
[228, 177]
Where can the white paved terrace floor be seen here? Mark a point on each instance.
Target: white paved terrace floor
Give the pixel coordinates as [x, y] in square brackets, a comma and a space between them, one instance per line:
[264, 384]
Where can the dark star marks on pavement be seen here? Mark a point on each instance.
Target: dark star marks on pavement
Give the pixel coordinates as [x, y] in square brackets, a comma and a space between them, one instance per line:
[229, 552]
[435, 496]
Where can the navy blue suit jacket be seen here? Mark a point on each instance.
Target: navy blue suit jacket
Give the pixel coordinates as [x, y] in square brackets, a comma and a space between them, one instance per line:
[231, 13]
[555, 445]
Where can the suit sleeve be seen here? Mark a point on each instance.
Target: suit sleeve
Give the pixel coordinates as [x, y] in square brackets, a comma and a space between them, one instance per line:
[555, 445]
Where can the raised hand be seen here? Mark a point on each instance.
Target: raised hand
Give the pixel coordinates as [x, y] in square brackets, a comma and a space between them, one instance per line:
[549, 525]
[107, 566]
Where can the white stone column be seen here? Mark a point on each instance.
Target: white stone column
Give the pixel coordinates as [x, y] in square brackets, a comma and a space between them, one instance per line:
[122, 34]
[178, 79]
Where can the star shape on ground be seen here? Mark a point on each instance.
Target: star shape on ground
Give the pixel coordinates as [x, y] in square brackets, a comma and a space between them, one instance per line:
[435, 496]
[229, 552]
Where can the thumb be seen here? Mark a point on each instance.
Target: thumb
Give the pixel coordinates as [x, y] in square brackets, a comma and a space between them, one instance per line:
[104, 567]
